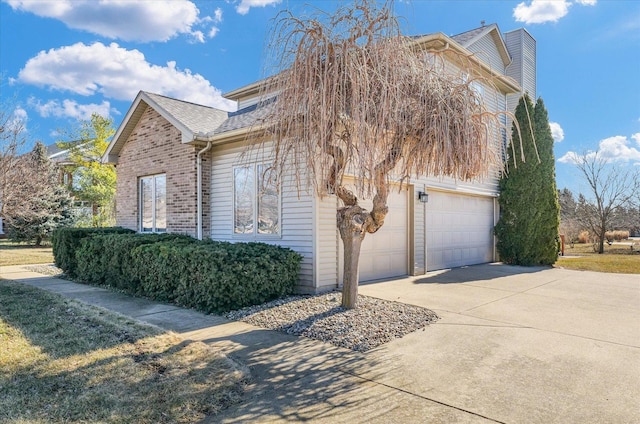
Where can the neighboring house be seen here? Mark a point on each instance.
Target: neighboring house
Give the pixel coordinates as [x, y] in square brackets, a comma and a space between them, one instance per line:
[66, 168]
[169, 181]
[61, 158]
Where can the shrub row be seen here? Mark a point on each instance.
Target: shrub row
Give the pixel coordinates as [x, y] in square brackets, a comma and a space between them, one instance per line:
[106, 260]
[215, 276]
[207, 275]
[66, 242]
[616, 235]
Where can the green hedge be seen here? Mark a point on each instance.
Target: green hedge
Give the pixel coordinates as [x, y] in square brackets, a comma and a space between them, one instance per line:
[106, 259]
[205, 275]
[216, 276]
[66, 242]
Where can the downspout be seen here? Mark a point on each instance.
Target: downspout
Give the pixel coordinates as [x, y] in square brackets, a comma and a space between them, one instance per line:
[199, 187]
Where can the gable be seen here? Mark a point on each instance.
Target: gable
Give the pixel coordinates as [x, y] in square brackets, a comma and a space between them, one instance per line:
[190, 119]
[487, 50]
[488, 45]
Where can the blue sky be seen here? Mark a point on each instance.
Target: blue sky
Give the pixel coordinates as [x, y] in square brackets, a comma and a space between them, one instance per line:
[62, 60]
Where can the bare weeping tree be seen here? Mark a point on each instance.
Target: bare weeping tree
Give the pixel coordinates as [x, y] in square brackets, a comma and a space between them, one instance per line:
[354, 98]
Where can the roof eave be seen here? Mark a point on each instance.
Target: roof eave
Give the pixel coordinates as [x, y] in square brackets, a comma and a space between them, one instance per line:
[227, 137]
[131, 119]
[440, 42]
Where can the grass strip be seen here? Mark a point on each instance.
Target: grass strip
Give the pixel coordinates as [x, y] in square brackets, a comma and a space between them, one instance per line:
[64, 361]
[619, 264]
[23, 254]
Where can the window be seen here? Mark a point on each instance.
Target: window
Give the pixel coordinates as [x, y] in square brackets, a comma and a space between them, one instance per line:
[256, 205]
[153, 204]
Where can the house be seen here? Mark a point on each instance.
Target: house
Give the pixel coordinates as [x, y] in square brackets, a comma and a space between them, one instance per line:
[181, 169]
[62, 160]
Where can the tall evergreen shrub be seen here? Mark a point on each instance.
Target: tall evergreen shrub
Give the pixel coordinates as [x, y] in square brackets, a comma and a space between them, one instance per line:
[527, 231]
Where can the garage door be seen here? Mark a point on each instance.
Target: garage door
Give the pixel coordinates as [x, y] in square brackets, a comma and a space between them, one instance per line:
[459, 230]
[384, 254]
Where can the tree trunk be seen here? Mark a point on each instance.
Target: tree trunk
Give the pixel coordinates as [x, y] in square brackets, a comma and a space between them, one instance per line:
[351, 220]
[601, 243]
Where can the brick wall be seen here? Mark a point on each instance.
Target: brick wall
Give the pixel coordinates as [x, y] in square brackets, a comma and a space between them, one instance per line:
[155, 147]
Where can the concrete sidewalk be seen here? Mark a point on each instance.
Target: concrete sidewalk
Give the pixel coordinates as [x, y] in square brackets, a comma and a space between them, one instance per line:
[514, 345]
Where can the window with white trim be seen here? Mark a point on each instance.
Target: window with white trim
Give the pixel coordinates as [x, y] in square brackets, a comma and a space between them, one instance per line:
[153, 204]
[256, 202]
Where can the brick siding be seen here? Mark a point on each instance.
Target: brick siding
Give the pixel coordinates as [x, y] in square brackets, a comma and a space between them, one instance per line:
[155, 147]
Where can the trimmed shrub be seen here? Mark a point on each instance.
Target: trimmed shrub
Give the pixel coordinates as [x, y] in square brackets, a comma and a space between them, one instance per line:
[206, 275]
[216, 276]
[620, 235]
[584, 237]
[106, 259]
[617, 235]
[67, 241]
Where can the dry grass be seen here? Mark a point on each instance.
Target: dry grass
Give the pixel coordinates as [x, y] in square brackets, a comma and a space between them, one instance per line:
[23, 254]
[617, 258]
[62, 361]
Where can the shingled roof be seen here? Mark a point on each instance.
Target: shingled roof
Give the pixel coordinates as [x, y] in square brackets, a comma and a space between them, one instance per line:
[465, 38]
[192, 120]
[198, 119]
[204, 123]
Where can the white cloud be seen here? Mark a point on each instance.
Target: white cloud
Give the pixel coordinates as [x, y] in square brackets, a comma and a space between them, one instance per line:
[116, 73]
[618, 149]
[570, 157]
[20, 113]
[18, 121]
[157, 20]
[556, 132]
[71, 109]
[612, 149]
[245, 5]
[541, 11]
[217, 18]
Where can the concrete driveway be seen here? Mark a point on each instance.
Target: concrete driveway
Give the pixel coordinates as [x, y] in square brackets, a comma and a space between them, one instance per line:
[521, 345]
[513, 345]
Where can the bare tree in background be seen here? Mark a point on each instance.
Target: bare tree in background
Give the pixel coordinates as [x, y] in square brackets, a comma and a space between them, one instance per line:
[355, 98]
[570, 227]
[611, 190]
[12, 140]
[32, 204]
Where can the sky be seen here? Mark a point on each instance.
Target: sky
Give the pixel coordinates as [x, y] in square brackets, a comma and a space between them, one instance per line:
[62, 60]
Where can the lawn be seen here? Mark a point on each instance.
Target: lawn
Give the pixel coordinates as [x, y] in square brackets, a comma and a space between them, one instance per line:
[63, 361]
[12, 253]
[617, 258]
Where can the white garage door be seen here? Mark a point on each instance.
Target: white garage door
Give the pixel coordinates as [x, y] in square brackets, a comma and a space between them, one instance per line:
[459, 230]
[384, 254]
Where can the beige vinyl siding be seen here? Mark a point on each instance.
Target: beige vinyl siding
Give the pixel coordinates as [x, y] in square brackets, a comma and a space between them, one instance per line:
[486, 50]
[296, 212]
[327, 242]
[419, 239]
[522, 48]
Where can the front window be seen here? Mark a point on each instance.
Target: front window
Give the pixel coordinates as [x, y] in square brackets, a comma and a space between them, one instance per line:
[153, 204]
[256, 201]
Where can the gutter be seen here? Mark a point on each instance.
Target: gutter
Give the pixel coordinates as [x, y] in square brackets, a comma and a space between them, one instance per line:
[199, 187]
[445, 43]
